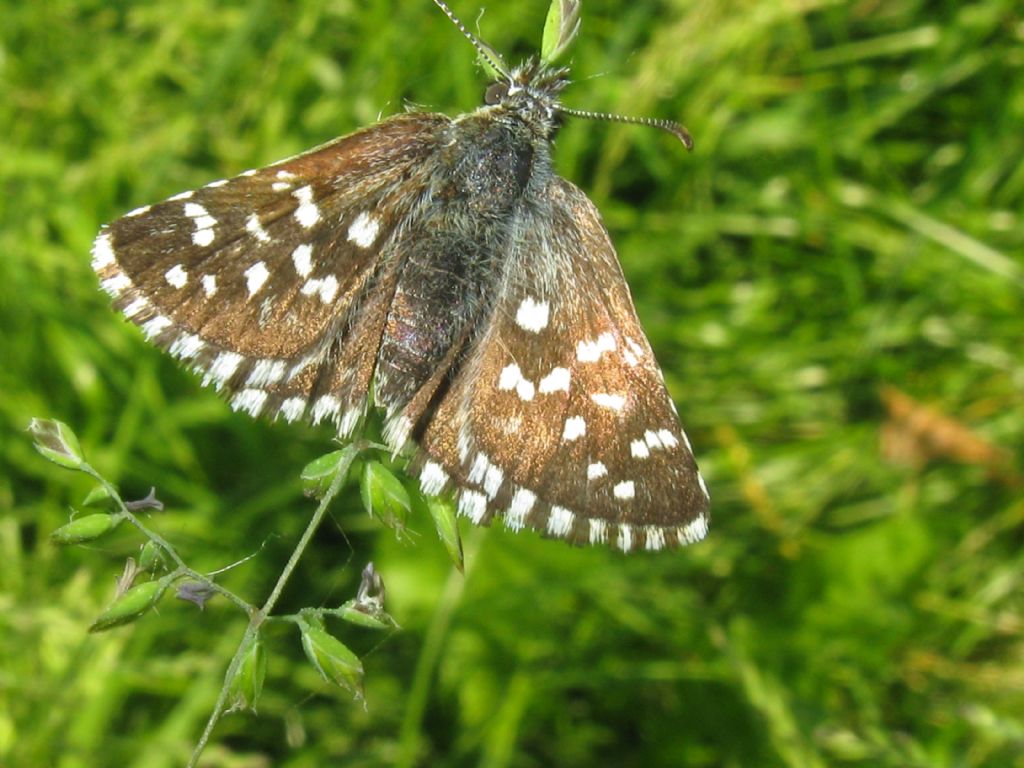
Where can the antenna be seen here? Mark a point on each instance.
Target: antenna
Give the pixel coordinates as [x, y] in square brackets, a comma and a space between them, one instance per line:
[486, 52]
[671, 126]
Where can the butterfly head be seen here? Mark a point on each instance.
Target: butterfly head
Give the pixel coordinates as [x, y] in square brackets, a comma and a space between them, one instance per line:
[530, 92]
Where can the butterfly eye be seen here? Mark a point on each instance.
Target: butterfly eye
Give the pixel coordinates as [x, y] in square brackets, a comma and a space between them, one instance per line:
[495, 93]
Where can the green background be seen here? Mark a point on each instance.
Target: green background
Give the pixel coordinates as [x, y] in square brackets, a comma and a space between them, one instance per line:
[833, 282]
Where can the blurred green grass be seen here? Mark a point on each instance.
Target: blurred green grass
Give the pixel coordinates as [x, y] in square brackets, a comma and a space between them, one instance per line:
[850, 220]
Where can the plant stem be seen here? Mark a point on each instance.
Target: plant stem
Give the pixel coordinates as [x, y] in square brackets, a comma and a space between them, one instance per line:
[257, 618]
[165, 545]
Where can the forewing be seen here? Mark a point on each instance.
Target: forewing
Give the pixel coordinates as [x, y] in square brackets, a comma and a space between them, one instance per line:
[254, 280]
[560, 420]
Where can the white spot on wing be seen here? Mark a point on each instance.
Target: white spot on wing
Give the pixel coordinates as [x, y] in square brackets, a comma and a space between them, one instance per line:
[575, 427]
[302, 259]
[638, 449]
[266, 372]
[598, 531]
[138, 211]
[655, 538]
[224, 366]
[250, 401]
[493, 480]
[153, 328]
[433, 478]
[510, 376]
[364, 230]
[693, 531]
[349, 421]
[135, 307]
[326, 288]
[256, 276]
[522, 503]
[473, 505]
[176, 276]
[532, 315]
[194, 210]
[557, 380]
[326, 407]
[293, 408]
[396, 432]
[478, 470]
[625, 538]
[525, 389]
[186, 346]
[116, 285]
[182, 196]
[307, 214]
[653, 440]
[596, 470]
[703, 486]
[202, 237]
[560, 521]
[591, 351]
[625, 490]
[209, 285]
[612, 401]
[255, 228]
[102, 252]
[669, 440]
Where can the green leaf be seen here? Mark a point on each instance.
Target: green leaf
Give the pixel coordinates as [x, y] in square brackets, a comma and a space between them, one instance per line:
[442, 511]
[384, 496]
[55, 441]
[97, 497]
[335, 662]
[130, 606]
[318, 475]
[245, 689]
[85, 528]
[560, 28]
[152, 558]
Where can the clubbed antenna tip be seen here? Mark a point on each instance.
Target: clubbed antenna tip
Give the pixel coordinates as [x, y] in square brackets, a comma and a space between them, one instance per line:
[671, 126]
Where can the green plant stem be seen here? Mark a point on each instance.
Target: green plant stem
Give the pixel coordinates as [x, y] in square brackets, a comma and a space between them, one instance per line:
[257, 618]
[183, 569]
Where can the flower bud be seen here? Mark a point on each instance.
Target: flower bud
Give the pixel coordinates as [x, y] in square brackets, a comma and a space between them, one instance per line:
[245, 689]
[85, 528]
[132, 604]
[55, 440]
[97, 497]
[443, 513]
[384, 496]
[318, 475]
[332, 658]
[364, 615]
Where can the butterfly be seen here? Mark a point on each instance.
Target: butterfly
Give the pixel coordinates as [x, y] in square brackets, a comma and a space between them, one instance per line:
[436, 268]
